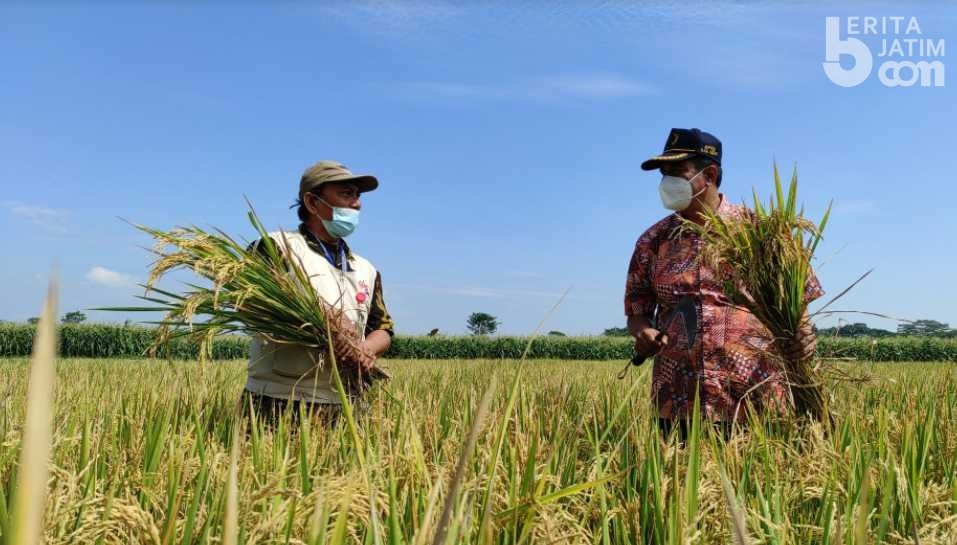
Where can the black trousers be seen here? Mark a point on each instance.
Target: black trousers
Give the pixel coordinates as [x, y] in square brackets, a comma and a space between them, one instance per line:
[683, 426]
[269, 410]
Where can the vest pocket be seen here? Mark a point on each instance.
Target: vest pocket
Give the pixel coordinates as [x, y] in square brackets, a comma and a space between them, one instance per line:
[295, 362]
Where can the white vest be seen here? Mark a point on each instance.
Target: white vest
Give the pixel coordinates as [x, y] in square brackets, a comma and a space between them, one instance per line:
[294, 372]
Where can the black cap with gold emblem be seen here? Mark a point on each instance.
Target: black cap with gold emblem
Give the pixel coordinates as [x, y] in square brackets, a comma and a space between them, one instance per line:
[683, 144]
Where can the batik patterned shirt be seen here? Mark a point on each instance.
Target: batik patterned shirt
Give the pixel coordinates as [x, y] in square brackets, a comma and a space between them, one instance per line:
[731, 358]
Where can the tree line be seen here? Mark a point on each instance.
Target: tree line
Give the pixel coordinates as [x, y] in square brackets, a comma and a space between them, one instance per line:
[916, 328]
[483, 323]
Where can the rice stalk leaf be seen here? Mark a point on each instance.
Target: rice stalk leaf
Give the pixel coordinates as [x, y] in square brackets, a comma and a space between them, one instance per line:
[231, 519]
[30, 498]
[468, 448]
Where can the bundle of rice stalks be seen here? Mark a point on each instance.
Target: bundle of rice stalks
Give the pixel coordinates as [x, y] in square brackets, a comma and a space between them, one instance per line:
[255, 289]
[765, 265]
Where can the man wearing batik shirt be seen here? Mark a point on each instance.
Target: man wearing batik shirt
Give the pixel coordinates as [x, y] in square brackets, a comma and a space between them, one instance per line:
[731, 363]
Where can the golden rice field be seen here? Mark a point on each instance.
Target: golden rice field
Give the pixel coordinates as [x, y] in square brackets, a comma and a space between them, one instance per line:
[141, 454]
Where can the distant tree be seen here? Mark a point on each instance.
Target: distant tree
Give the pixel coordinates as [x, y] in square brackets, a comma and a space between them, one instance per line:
[557, 334]
[127, 323]
[853, 330]
[33, 321]
[481, 323]
[616, 332]
[924, 328]
[434, 332]
[74, 317]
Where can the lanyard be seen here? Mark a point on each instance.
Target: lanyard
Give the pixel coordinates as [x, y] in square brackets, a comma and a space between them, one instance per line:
[343, 263]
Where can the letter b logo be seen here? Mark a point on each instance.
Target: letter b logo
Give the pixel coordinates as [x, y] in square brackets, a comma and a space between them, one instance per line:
[835, 47]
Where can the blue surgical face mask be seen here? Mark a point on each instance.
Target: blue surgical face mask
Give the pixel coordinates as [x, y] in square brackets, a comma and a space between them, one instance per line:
[343, 223]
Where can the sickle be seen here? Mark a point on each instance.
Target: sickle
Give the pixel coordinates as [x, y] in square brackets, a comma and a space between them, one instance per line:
[689, 315]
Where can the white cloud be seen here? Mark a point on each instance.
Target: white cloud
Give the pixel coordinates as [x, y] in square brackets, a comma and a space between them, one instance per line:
[594, 86]
[473, 292]
[400, 18]
[523, 274]
[486, 292]
[477, 291]
[405, 18]
[760, 57]
[715, 14]
[431, 89]
[51, 220]
[563, 87]
[107, 277]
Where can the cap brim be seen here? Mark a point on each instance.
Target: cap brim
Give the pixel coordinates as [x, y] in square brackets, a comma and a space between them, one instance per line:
[366, 183]
[655, 162]
[363, 183]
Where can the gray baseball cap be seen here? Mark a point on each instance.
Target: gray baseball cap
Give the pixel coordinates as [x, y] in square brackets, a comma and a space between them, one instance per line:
[334, 171]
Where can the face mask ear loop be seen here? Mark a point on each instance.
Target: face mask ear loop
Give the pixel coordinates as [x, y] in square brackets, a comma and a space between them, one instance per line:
[703, 189]
[302, 201]
[333, 208]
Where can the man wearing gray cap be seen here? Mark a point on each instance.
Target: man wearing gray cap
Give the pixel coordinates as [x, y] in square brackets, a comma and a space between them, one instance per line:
[328, 207]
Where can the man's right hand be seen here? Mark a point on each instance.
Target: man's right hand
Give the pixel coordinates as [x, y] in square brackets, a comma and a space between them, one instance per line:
[647, 343]
[367, 361]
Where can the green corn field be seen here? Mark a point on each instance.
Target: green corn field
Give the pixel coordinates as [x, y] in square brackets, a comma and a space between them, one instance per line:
[565, 453]
[114, 341]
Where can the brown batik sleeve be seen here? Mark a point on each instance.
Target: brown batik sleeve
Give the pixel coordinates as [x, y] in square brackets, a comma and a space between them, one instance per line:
[639, 295]
[812, 289]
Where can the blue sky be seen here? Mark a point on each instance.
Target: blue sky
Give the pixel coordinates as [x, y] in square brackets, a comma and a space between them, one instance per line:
[506, 137]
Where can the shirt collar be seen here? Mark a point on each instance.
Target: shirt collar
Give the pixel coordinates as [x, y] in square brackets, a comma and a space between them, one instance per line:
[724, 209]
[313, 241]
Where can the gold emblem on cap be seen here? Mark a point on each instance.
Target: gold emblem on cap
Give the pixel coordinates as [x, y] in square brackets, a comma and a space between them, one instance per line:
[674, 139]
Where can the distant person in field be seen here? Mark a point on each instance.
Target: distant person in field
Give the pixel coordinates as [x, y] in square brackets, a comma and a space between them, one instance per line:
[328, 208]
[731, 363]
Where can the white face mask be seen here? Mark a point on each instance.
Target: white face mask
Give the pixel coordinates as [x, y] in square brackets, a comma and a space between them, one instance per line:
[676, 192]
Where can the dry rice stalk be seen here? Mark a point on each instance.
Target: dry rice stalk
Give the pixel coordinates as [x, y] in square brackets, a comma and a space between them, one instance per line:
[478, 420]
[252, 289]
[231, 519]
[31, 492]
[765, 264]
